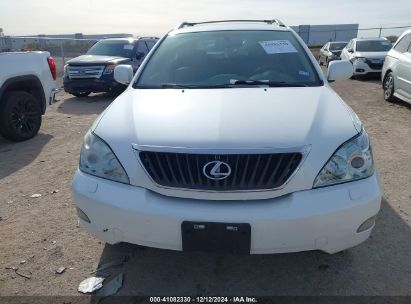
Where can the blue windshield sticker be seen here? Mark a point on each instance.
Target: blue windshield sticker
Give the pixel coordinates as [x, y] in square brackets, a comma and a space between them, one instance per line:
[303, 73]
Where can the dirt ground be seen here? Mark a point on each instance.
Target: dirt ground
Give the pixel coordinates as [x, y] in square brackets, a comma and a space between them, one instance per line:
[38, 235]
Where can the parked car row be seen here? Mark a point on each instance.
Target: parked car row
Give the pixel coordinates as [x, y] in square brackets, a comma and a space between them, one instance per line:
[376, 56]
[365, 54]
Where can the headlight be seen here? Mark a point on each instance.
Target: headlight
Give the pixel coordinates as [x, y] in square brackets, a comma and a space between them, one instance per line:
[96, 158]
[352, 161]
[109, 69]
[66, 69]
[359, 59]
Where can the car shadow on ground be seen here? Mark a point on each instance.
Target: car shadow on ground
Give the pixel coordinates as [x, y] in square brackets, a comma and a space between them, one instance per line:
[22, 153]
[162, 272]
[402, 104]
[86, 105]
[370, 79]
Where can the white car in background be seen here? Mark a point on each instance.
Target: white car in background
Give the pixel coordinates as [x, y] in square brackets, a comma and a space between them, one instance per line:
[230, 139]
[396, 73]
[366, 55]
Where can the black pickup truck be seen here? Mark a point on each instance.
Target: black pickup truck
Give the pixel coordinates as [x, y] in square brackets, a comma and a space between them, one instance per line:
[93, 72]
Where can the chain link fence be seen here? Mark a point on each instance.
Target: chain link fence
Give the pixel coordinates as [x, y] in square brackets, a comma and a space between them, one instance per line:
[318, 35]
[62, 49]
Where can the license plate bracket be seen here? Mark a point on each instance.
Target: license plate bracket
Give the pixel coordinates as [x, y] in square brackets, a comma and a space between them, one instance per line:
[216, 237]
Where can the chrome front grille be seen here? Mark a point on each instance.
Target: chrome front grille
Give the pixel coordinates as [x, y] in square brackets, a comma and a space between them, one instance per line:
[247, 171]
[76, 72]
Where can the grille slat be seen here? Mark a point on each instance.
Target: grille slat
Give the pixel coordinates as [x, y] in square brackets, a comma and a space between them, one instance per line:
[180, 170]
[162, 170]
[276, 168]
[248, 171]
[85, 71]
[170, 167]
[253, 175]
[263, 174]
[190, 174]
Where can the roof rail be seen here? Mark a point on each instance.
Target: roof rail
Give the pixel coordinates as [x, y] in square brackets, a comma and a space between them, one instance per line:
[276, 21]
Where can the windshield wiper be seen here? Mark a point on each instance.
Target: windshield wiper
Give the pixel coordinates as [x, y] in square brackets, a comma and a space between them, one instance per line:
[266, 83]
[191, 86]
[233, 83]
[181, 86]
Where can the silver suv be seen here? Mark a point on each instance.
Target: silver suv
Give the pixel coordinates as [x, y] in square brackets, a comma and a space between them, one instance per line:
[396, 73]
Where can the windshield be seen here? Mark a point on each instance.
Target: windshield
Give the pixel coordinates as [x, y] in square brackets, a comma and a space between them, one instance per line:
[229, 58]
[119, 48]
[337, 46]
[373, 46]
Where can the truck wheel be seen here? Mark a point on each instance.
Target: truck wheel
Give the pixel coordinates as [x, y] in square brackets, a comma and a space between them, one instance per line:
[81, 94]
[20, 116]
[389, 88]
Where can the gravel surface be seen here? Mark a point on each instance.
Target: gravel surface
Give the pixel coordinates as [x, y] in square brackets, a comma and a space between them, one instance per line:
[40, 234]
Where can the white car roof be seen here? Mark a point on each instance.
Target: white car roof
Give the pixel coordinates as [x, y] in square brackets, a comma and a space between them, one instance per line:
[229, 26]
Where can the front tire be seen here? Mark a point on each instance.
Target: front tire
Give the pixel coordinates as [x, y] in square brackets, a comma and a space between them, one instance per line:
[388, 87]
[20, 116]
[81, 94]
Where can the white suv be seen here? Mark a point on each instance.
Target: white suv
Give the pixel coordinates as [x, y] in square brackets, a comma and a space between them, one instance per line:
[230, 139]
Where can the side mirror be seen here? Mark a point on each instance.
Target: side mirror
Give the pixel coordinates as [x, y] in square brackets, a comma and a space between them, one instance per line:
[350, 50]
[339, 70]
[140, 55]
[123, 73]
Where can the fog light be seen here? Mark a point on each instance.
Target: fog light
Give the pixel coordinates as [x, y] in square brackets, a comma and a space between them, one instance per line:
[82, 215]
[360, 70]
[367, 224]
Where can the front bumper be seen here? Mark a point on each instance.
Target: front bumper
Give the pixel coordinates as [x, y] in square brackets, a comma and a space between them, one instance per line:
[326, 219]
[362, 68]
[104, 84]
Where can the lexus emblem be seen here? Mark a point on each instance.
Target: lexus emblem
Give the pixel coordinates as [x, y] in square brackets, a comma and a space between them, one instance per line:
[217, 170]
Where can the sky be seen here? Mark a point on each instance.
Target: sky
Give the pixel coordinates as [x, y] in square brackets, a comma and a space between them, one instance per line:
[156, 17]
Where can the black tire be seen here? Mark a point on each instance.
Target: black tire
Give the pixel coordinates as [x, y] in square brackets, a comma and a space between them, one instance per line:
[81, 94]
[20, 116]
[326, 62]
[388, 87]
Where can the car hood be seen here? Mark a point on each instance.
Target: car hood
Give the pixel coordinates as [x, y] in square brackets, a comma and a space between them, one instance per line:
[96, 59]
[227, 118]
[310, 119]
[371, 55]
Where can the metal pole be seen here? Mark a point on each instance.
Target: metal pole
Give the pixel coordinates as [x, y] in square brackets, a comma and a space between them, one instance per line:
[62, 55]
[380, 32]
